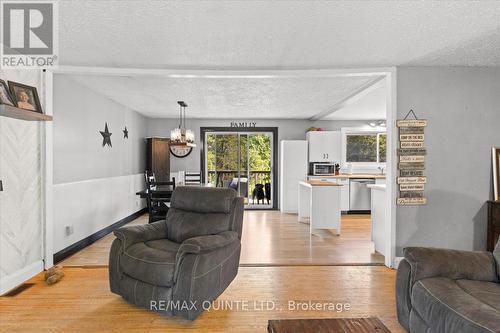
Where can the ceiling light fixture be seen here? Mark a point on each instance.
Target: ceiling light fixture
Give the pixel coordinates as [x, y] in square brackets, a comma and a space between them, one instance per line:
[181, 136]
[377, 123]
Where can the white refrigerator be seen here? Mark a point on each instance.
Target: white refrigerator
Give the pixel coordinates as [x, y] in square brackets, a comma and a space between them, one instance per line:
[293, 168]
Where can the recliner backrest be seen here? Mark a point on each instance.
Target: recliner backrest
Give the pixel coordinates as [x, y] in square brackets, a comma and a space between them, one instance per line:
[198, 211]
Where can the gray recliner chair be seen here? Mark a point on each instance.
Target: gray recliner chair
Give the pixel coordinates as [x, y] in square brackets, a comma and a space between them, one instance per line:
[179, 265]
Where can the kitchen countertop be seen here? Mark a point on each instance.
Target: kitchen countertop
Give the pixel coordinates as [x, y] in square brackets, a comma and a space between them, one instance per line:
[319, 183]
[353, 176]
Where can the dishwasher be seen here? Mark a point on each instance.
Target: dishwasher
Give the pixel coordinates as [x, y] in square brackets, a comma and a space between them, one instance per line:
[360, 195]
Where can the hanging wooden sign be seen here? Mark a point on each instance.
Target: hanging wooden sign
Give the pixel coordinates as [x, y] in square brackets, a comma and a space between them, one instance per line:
[411, 137]
[411, 158]
[411, 166]
[411, 194]
[412, 123]
[411, 173]
[412, 180]
[411, 130]
[412, 153]
[411, 144]
[411, 187]
[411, 201]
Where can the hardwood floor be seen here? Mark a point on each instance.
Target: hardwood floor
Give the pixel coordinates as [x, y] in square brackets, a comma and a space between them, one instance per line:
[286, 265]
[82, 302]
[272, 238]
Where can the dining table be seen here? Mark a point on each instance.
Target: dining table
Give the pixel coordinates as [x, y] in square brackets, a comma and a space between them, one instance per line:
[163, 191]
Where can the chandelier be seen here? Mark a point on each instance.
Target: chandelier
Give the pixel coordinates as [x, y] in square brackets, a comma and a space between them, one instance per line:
[181, 136]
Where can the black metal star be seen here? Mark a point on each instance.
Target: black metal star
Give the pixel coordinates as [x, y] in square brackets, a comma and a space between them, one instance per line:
[125, 133]
[106, 136]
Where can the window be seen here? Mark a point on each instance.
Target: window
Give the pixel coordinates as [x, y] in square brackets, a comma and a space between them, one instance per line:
[365, 147]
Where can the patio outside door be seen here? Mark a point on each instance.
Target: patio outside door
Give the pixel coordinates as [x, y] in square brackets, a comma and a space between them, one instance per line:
[243, 161]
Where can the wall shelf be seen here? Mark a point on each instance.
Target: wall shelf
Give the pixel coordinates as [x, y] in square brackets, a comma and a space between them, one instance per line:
[17, 113]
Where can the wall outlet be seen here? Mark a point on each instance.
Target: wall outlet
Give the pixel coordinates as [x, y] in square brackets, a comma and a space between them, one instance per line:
[69, 230]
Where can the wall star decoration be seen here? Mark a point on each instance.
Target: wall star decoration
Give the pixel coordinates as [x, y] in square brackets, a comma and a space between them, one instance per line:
[106, 136]
[125, 133]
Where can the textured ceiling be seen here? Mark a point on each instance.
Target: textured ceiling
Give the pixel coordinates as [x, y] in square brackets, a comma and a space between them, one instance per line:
[267, 35]
[272, 98]
[278, 34]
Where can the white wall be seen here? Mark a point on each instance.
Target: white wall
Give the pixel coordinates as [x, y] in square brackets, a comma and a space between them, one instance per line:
[92, 205]
[94, 186]
[462, 105]
[21, 210]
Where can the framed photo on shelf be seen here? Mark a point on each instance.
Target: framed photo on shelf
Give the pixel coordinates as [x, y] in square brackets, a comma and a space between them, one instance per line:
[496, 173]
[5, 97]
[25, 97]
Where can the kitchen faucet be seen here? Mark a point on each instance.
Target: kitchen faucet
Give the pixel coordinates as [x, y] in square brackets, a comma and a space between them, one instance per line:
[381, 170]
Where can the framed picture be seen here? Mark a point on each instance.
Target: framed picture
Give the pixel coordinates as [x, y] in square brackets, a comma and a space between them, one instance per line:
[5, 97]
[25, 97]
[496, 173]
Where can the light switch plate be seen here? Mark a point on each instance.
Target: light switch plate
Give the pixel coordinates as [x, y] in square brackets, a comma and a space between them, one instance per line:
[69, 230]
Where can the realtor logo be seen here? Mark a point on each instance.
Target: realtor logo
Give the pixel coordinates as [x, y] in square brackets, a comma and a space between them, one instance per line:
[29, 38]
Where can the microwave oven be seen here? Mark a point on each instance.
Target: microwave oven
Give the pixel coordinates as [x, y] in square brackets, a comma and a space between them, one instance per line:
[322, 169]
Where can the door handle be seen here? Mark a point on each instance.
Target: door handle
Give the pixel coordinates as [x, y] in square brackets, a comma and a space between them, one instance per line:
[1, 186]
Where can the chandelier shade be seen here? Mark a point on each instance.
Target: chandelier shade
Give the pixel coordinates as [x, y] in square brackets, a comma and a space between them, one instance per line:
[181, 136]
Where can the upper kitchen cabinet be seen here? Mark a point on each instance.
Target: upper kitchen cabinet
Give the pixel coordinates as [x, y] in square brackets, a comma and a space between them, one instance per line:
[324, 146]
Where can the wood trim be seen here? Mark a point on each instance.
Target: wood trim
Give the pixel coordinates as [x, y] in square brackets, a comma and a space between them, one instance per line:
[275, 169]
[73, 248]
[18, 113]
[223, 73]
[47, 92]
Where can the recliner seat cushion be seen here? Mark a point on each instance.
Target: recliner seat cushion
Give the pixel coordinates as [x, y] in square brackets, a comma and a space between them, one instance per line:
[151, 262]
[449, 305]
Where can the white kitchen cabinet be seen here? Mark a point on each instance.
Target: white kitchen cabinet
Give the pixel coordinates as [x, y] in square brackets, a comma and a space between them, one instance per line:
[324, 146]
[293, 168]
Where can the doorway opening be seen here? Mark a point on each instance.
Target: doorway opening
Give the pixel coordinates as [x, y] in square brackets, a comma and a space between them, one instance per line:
[243, 159]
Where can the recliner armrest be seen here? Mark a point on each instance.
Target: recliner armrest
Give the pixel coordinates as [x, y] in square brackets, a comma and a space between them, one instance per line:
[208, 243]
[453, 264]
[141, 233]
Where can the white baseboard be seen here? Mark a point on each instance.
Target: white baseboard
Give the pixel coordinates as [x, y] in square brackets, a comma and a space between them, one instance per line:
[397, 260]
[11, 281]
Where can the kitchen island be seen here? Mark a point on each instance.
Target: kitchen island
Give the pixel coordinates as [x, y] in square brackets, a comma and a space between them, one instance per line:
[319, 203]
[346, 179]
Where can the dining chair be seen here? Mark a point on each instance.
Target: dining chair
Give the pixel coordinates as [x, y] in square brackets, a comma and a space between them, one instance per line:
[157, 204]
[192, 178]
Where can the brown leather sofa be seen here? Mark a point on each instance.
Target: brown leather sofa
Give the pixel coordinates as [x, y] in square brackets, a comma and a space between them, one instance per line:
[449, 291]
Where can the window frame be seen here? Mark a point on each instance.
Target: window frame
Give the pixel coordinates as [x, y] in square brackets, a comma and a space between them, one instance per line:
[345, 131]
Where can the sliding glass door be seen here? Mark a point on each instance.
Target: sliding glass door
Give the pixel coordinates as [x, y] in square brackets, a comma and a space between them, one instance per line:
[242, 161]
